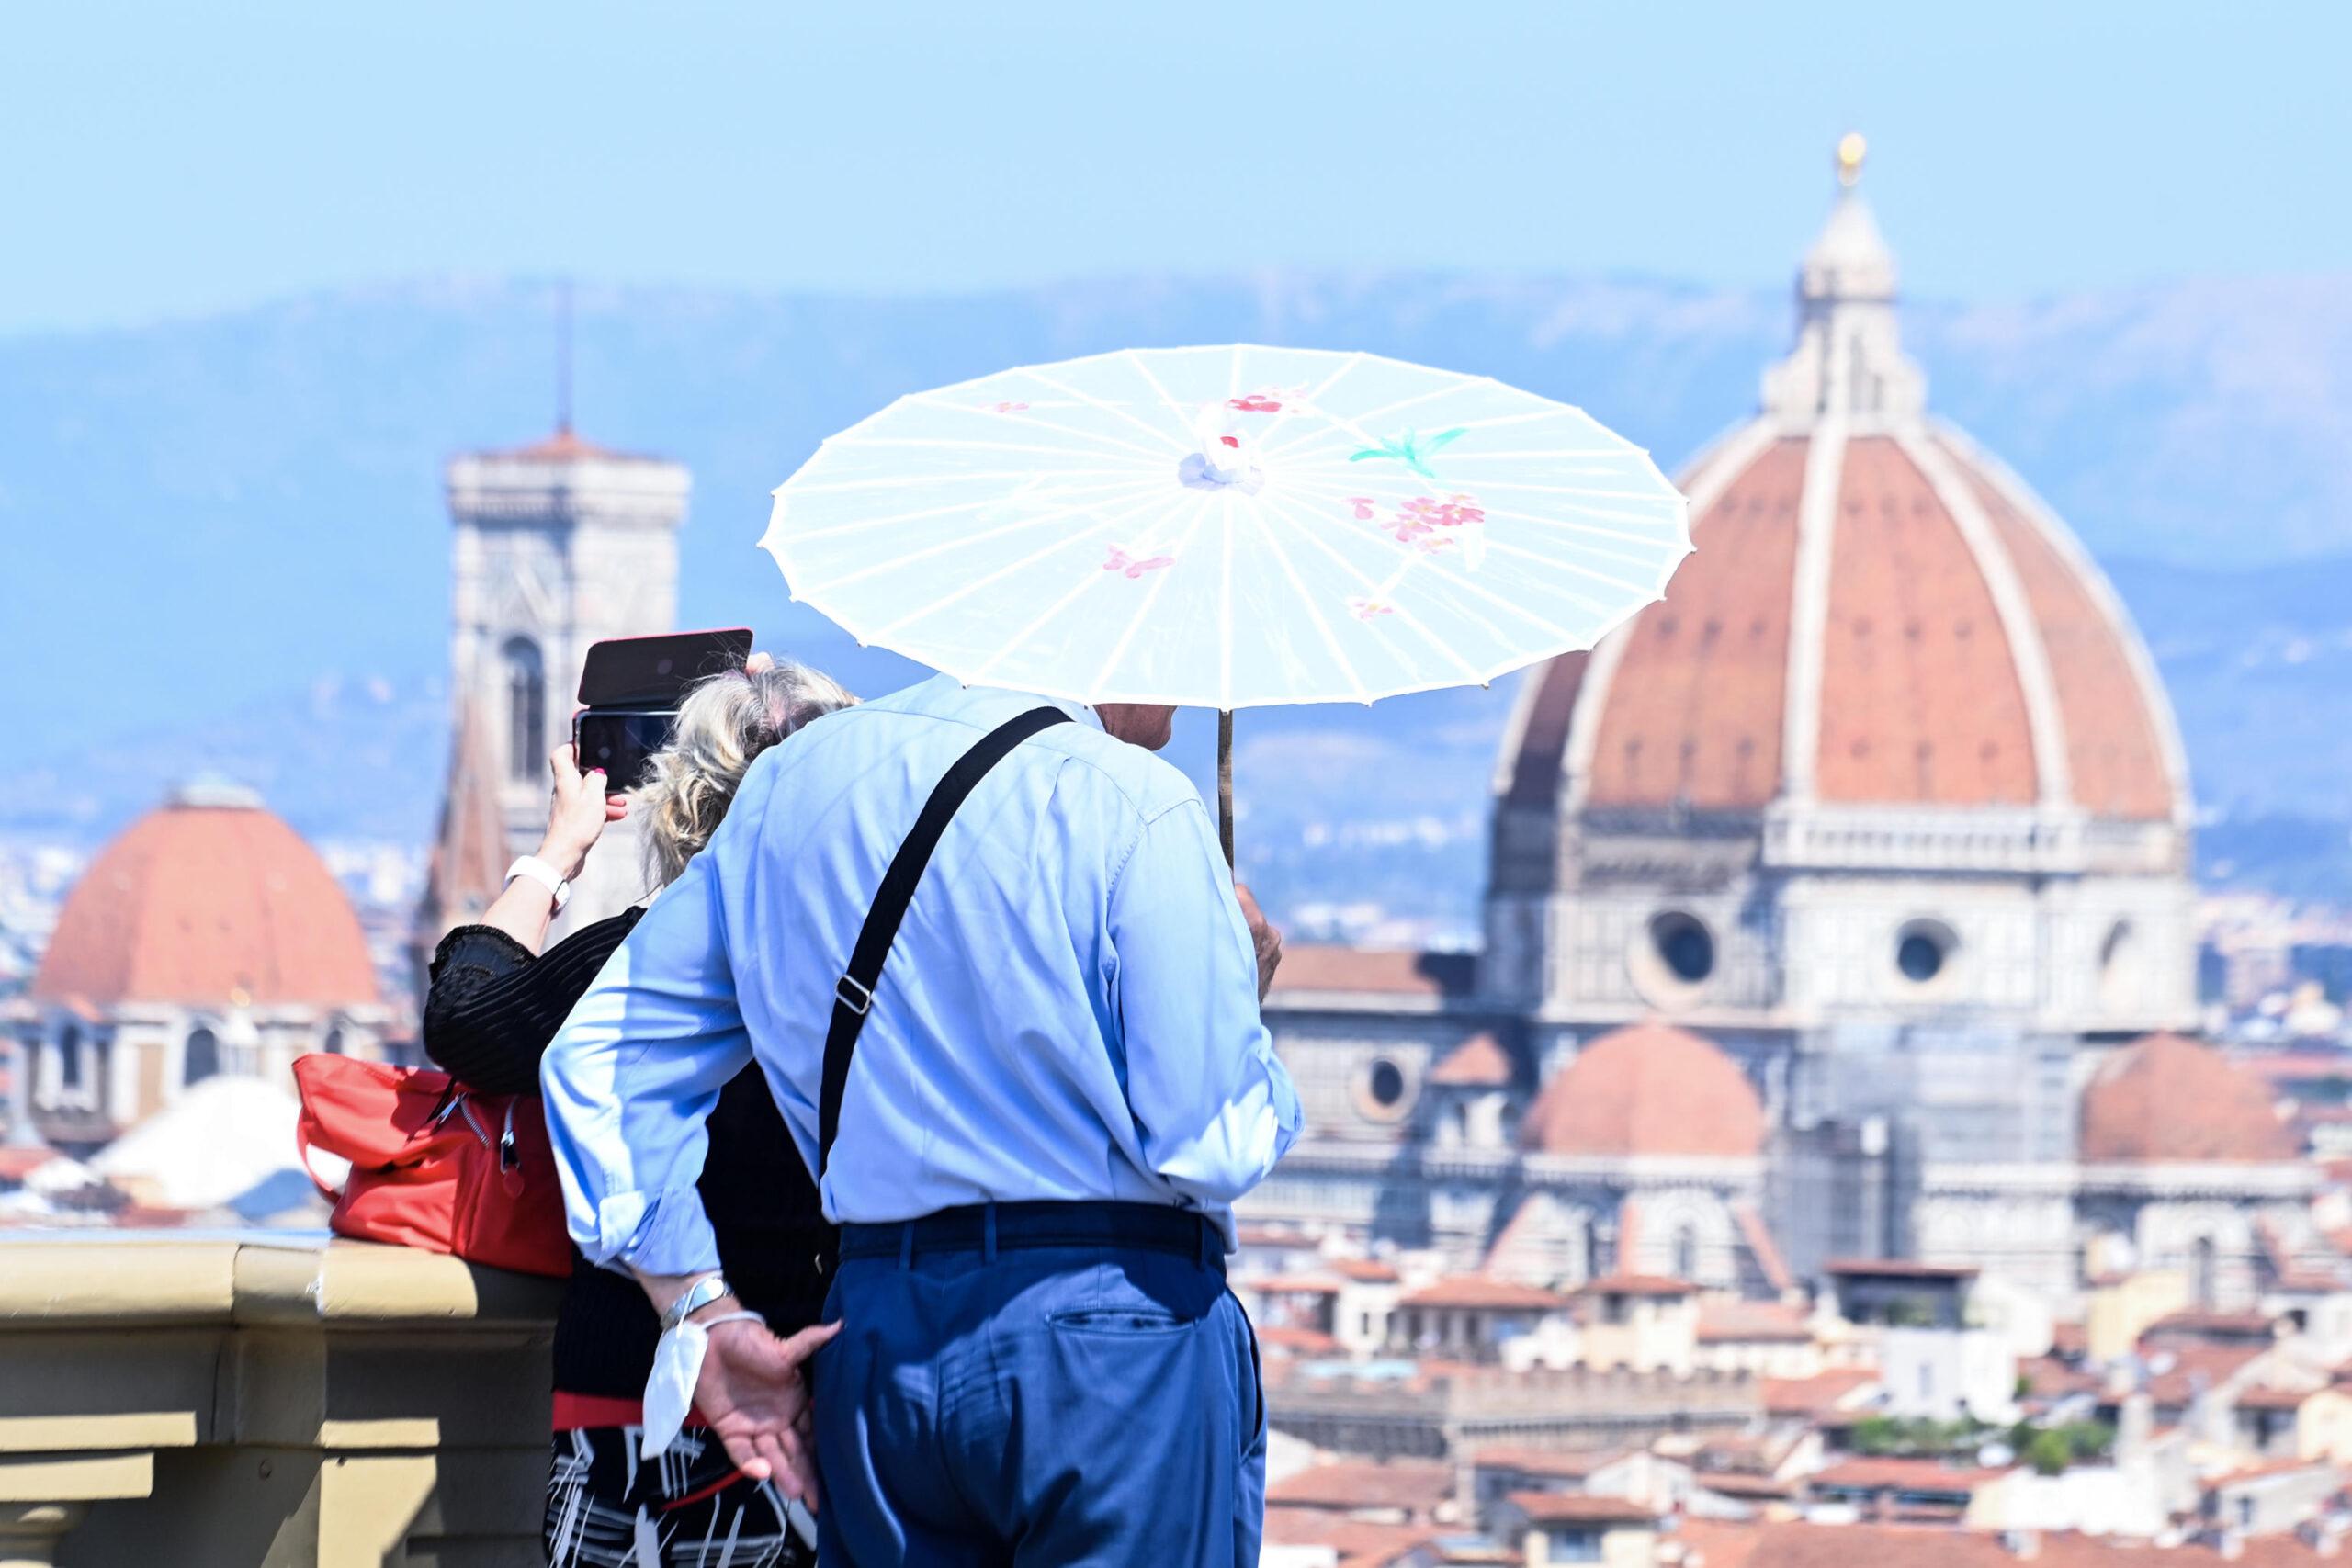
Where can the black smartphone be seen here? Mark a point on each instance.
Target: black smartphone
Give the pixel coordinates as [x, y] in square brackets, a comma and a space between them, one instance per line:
[654, 671]
[622, 742]
[632, 686]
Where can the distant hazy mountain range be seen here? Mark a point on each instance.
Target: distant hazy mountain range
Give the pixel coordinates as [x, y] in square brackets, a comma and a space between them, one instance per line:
[225, 546]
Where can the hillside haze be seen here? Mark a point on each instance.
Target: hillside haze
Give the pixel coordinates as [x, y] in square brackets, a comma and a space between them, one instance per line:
[227, 545]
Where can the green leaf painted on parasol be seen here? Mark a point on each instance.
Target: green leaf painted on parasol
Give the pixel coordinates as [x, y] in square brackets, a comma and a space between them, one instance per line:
[1412, 449]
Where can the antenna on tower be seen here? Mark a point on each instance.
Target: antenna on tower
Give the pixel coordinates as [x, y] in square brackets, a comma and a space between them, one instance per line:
[564, 358]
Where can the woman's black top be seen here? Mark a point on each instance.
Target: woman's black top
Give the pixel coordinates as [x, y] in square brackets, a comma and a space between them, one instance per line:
[489, 1010]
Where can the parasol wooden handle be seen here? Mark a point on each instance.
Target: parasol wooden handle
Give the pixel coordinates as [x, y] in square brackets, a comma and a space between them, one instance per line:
[1225, 784]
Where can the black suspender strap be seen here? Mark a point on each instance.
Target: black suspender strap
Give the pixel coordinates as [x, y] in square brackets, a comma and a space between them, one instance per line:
[853, 992]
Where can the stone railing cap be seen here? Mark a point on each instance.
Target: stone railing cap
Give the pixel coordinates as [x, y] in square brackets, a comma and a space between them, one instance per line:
[50, 1280]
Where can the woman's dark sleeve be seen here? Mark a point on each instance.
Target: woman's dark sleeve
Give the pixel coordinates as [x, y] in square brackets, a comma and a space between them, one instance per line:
[491, 1007]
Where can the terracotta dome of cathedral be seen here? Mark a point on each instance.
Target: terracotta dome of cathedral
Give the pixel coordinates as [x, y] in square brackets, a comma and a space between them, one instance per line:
[1647, 1089]
[208, 900]
[1877, 613]
[2165, 1098]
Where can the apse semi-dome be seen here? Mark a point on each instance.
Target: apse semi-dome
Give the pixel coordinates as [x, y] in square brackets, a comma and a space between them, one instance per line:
[208, 900]
[1648, 1089]
[2166, 1099]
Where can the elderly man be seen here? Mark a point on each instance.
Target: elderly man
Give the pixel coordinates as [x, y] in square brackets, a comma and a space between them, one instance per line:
[1046, 1102]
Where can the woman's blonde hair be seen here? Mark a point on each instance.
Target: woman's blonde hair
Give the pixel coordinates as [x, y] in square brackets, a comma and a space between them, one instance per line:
[726, 721]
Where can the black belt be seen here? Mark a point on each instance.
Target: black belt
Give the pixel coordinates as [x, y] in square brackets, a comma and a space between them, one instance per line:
[1028, 1226]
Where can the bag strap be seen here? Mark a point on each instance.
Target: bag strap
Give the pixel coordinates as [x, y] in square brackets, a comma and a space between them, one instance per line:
[853, 992]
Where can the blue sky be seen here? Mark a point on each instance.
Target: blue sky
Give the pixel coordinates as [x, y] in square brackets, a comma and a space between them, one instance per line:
[165, 160]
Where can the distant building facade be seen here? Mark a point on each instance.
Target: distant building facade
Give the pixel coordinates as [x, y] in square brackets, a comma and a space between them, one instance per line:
[206, 939]
[1825, 898]
[556, 545]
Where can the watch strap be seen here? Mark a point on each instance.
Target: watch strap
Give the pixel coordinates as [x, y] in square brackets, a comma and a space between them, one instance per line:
[695, 1297]
[559, 886]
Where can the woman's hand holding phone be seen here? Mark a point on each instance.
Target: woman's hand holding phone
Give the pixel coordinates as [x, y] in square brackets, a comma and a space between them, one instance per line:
[578, 812]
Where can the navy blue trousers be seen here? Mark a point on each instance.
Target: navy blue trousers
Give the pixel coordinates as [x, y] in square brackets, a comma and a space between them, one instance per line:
[1095, 1404]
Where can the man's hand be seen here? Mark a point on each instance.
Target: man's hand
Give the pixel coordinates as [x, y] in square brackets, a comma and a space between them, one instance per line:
[1263, 937]
[754, 1393]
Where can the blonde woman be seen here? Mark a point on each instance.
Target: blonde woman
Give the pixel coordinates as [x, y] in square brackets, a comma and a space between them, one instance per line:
[493, 1003]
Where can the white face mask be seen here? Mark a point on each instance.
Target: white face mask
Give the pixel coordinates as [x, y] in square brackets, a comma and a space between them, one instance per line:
[677, 1367]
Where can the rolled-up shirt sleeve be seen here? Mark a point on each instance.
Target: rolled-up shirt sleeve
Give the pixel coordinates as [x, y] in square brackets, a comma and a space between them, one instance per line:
[630, 1080]
[1213, 1108]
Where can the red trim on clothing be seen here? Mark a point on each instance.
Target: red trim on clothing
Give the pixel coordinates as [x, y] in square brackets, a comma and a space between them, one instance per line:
[713, 1490]
[573, 1410]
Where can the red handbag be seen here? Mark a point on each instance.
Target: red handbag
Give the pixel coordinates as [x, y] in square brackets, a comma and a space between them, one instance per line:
[434, 1165]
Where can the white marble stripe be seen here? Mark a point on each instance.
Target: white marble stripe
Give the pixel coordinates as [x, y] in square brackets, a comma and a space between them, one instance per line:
[2045, 721]
[1824, 472]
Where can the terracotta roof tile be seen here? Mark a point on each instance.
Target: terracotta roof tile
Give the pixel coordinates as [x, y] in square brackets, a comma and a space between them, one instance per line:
[1478, 1290]
[1919, 692]
[1543, 737]
[1415, 1485]
[1637, 1285]
[1758, 1237]
[1693, 713]
[1915, 1475]
[1544, 1508]
[2170, 1098]
[1310, 966]
[1647, 1089]
[212, 905]
[2112, 749]
[563, 446]
[1920, 697]
[1837, 1389]
[1479, 1062]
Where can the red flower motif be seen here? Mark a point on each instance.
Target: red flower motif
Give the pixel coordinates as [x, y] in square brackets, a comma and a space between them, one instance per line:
[1232, 441]
[1364, 505]
[1254, 403]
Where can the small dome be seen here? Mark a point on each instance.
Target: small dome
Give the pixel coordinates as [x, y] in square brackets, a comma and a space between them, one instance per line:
[1647, 1089]
[2169, 1098]
[210, 901]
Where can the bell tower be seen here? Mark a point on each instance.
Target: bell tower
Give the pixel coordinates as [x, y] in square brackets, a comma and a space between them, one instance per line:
[557, 545]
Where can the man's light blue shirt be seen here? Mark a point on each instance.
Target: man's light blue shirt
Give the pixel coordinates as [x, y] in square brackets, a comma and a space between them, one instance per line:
[1070, 1009]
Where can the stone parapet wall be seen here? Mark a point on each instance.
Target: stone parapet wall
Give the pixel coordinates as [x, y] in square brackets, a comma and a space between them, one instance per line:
[267, 1402]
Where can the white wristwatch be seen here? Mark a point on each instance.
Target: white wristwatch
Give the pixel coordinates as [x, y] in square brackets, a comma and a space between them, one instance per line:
[557, 885]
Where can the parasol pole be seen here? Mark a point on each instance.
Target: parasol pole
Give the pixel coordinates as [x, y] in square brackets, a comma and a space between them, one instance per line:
[1225, 784]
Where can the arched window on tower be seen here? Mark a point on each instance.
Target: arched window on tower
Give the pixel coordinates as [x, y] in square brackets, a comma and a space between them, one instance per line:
[202, 1056]
[527, 708]
[69, 1058]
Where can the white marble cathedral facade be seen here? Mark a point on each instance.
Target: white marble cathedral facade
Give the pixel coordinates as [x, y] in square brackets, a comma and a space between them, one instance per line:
[1884, 810]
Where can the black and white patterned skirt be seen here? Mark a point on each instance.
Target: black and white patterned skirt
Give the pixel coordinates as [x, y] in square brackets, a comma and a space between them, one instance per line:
[690, 1508]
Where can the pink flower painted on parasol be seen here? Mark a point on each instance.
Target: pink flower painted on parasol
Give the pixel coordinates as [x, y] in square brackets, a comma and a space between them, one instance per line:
[1121, 561]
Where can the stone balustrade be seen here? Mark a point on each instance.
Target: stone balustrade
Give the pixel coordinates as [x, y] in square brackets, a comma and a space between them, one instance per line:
[267, 1401]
